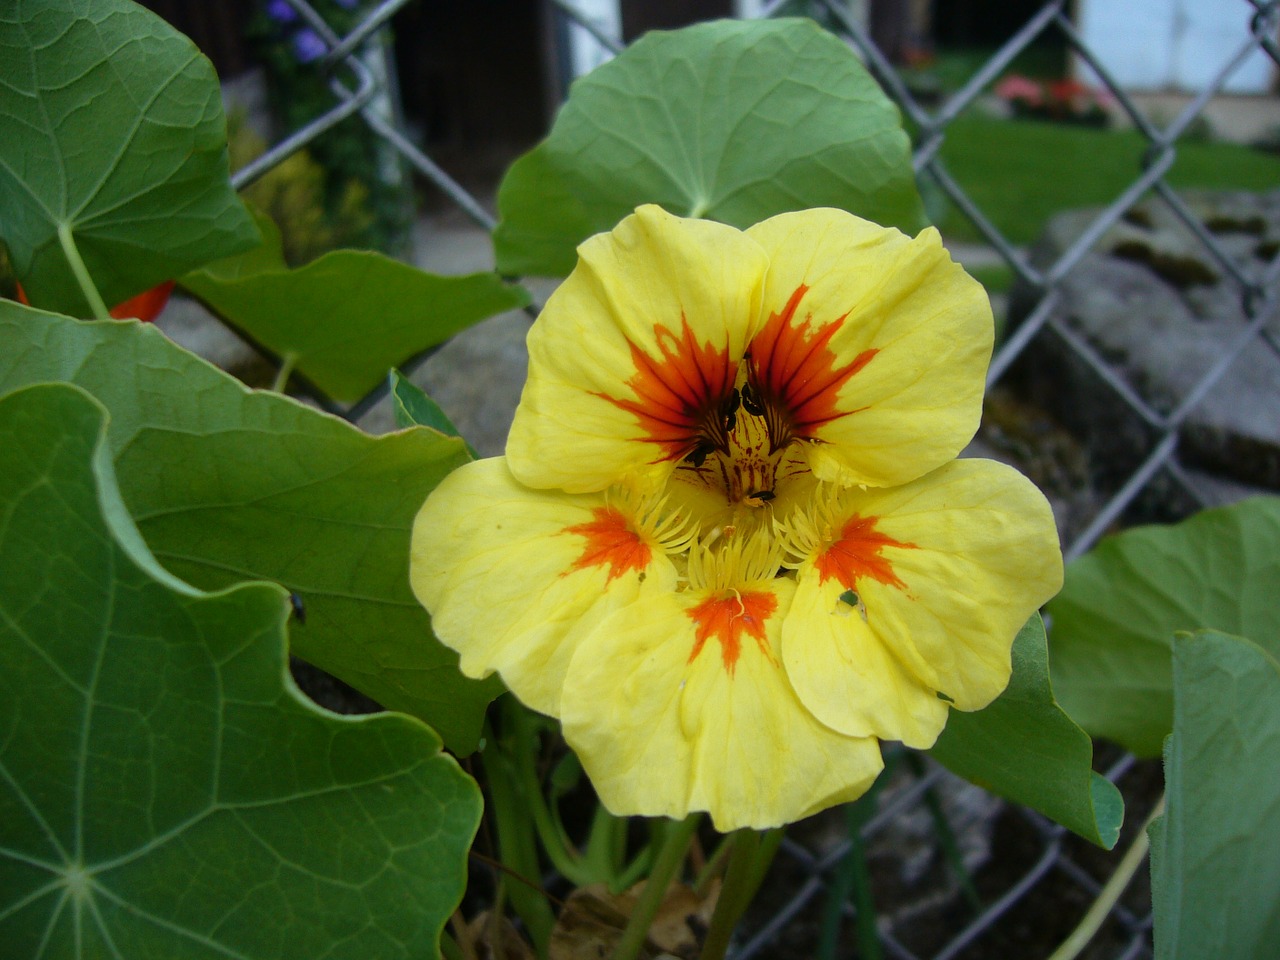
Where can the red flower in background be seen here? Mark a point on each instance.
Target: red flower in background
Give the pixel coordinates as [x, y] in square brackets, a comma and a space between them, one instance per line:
[146, 306]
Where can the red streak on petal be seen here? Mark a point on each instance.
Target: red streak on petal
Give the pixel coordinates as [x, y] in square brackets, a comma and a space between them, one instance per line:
[610, 540]
[728, 618]
[680, 392]
[857, 554]
[794, 370]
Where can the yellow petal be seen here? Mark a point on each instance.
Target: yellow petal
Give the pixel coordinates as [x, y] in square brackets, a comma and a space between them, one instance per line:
[844, 673]
[874, 343]
[680, 703]
[515, 578]
[636, 352]
[948, 569]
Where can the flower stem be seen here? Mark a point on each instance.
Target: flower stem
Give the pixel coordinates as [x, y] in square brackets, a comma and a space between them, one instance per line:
[748, 863]
[714, 867]
[946, 836]
[72, 253]
[853, 880]
[1095, 916]
[517, 842]
[674, 847]
[551, 835]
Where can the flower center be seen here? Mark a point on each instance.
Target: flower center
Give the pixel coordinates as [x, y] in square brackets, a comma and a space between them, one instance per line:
[740, 458]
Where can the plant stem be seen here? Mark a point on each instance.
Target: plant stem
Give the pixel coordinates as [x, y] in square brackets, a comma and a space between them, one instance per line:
[602, 854]
[853, 878]
[516, 840]
[633, 871]
[674, 847]
[461, 941]
[748, 863]
[769, 844]
[449, 948]
[72, 253]
[1095, 916]
[550, 833]
[946, 836]
[714, 867]
[287, 363]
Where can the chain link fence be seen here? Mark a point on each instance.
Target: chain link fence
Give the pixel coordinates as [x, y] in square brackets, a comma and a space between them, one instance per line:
[1010, 895]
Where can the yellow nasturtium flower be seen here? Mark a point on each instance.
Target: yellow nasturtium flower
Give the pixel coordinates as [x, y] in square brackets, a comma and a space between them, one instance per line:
[730, 546]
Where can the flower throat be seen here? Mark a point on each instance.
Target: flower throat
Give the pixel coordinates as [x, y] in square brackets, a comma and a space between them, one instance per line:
[743, 451]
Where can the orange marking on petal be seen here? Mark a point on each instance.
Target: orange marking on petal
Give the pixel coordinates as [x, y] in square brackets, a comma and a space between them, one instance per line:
[610, 540]
[727, 618]
[857, 554]
[794, 369]
[679, 394]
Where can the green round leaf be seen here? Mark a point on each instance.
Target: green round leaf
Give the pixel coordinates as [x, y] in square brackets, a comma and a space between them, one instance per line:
[1123, 600]
[165, 791]
[228, 484]
[735, 121]
[1024, 748]
[115, 133]
[1215, 855]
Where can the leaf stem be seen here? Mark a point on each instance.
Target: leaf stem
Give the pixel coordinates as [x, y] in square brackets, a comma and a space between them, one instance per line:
[674, 847]
[1097, 913]
[72, 253]
[287, 363]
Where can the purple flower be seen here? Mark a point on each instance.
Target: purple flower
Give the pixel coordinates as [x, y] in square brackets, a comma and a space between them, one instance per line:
[281, 12]
[308, 46]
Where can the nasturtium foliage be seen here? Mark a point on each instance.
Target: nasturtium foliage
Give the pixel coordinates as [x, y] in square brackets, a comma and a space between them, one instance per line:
[349, 316]
[264, 257]
[733, 121]
[115, 144]
[1215, 855]
[1026, 749]
[411, 407]
[1123, 600]
[165, 791]
[228, 484]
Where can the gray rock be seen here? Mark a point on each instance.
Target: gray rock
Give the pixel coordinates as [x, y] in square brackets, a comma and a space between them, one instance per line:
[187, 323]
[1162, 311]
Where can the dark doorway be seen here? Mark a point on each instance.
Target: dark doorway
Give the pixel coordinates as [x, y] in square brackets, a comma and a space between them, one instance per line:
[472, 81]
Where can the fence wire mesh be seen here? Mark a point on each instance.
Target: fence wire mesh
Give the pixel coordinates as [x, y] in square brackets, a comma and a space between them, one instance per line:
[812, 870]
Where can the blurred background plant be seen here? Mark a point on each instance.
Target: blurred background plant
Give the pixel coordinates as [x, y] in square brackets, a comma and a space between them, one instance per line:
[346, 188]
[315, 211]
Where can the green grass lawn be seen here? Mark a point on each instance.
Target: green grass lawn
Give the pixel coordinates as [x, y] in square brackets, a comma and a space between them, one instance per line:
[1022, 172]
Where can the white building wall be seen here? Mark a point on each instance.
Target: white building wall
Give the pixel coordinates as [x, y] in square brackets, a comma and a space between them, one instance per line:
[1172, 44]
